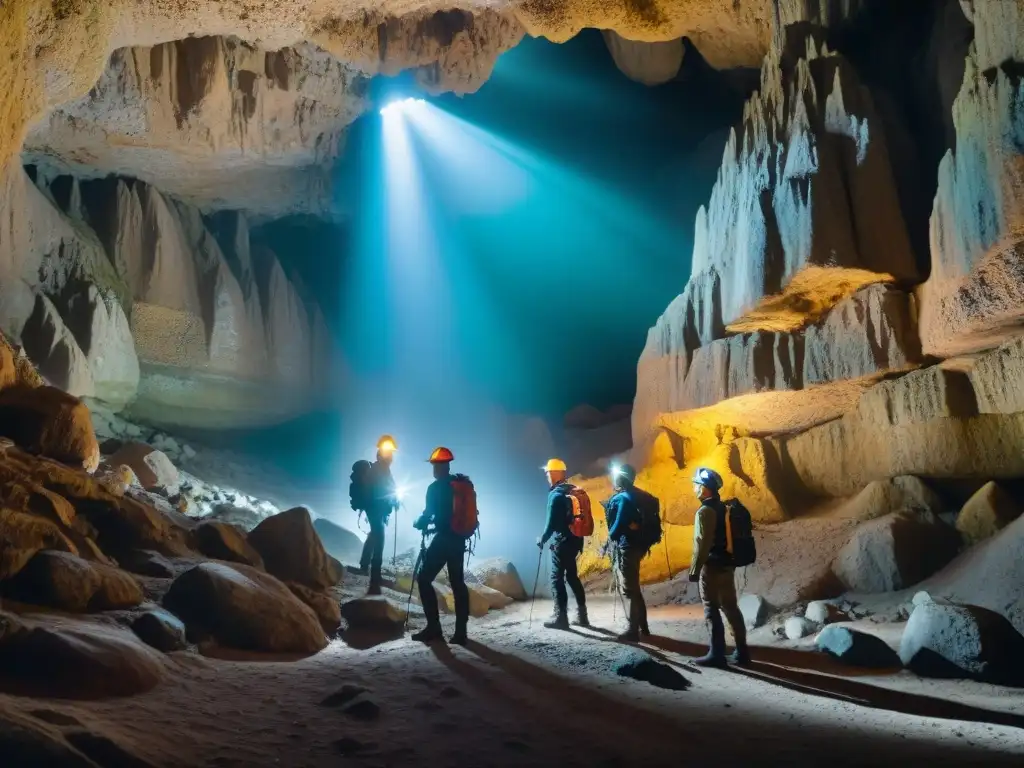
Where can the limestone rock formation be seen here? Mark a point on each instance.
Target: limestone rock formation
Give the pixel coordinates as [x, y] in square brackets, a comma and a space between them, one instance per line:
[223, 541]
[161, 630]
[241, 607]
[152, 468]
[54, 350]
[804, 213]
[323, 604]
[975, 293]
[261, 127]
[500, 574]
[647, 63]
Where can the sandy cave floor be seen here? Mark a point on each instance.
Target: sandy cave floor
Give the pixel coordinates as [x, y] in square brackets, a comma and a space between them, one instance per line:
[526, 697]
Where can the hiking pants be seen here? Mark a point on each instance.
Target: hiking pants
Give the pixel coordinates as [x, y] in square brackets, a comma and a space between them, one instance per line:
[718, 593]
[444, 551]
[627, 572]
[373, 547]
[564, 552]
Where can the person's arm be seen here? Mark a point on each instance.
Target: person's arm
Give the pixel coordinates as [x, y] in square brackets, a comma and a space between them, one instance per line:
[431, 507]
[617, 511]
[554, 506]
[703, 536]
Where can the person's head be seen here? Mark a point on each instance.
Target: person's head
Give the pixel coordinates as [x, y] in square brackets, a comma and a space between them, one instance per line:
[555, 470]
[386, 447]
[706, 483]
[623, 476]
[441, 462]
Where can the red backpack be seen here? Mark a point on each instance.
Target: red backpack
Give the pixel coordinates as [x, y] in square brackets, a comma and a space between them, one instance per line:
[582, 522]
[465, 519]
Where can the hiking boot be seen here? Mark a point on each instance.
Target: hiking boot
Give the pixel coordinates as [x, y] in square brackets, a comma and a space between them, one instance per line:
[581, 618]
[711, 660]
[645, 631]
[459, 638]
[374, 588]
[557, 622]
[629, 636]
[429, 634]
[360, 571]
[741, 658]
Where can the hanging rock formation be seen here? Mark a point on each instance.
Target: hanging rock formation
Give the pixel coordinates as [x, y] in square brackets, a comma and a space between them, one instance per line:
[212, 121]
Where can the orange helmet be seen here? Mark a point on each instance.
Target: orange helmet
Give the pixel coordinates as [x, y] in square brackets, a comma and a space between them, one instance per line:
[441, 455]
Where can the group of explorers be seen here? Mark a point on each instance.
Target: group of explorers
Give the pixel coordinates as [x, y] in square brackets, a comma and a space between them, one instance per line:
[722, 542]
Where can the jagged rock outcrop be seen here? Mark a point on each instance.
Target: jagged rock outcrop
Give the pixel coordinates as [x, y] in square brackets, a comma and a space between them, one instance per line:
[215, 338]
[975, 294]
[211, 120]
[804, 213]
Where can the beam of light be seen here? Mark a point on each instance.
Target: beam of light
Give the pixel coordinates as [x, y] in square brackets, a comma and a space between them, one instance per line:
[396, 107]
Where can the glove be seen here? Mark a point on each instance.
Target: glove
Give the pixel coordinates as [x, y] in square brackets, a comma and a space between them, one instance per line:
[694, 577]
[421, 523]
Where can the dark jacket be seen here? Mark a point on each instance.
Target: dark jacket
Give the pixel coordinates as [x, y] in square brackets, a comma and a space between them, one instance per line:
[709, 545]
[439, 506]
[559, 512]
[382, 497]
[623, 515]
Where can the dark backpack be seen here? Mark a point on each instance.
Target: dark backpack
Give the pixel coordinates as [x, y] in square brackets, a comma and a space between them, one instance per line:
[739, 534]
[359, 484]
[650, 520]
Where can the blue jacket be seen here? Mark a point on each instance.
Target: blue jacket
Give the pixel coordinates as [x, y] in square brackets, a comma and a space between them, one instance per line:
[559, 511]
[623, 516]
[439, 506]
[383, 499]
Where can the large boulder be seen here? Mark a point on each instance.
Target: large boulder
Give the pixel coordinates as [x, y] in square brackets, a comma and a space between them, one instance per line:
[30, 742]
[324, 605]
[153, 468]
[74, 659]
[62, 580]
[895, 551]
[374, 613]
[947, 640]
[495, 600]
[340, 542]
[479, 605]
[241, 607]
[50, 422]
[292, 550]
[881, 497]
[499, 573]
[986, 513]
[754, 609]
[223, 541]
[857, 649]
[161, 630]
[24, 532]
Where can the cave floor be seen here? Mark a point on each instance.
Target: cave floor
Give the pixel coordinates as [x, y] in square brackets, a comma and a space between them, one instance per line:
[526, 697]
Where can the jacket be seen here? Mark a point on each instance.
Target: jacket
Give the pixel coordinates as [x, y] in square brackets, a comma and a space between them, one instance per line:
[558, 513]
[383, 500]
[623, 517]
[709, 546]
[439, 506]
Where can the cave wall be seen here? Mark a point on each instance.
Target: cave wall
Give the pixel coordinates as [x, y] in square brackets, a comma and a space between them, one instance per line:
[872, 367]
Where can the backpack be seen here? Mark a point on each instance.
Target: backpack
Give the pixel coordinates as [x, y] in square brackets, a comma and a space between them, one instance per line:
[359, 483]
[739, 534]
[581, 524]
[650, 520]
[465, 518]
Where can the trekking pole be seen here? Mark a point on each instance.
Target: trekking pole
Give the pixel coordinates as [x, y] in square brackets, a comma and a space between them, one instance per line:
[412, 586]
[668, 562]
[536, 580]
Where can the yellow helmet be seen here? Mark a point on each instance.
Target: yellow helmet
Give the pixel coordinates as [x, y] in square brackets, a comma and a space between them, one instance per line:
[387, 444]
[555, 465]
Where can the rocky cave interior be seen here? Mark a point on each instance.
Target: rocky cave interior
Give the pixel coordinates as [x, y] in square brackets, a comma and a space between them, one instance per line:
[777, 238]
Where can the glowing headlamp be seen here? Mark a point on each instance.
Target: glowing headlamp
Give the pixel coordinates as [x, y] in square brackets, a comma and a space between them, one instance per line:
[387, 447]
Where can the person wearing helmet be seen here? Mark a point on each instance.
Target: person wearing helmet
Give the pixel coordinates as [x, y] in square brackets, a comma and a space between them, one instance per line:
[712, 568]
[565, 549]
[446, 549]
[382, 501]
[624, 528]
